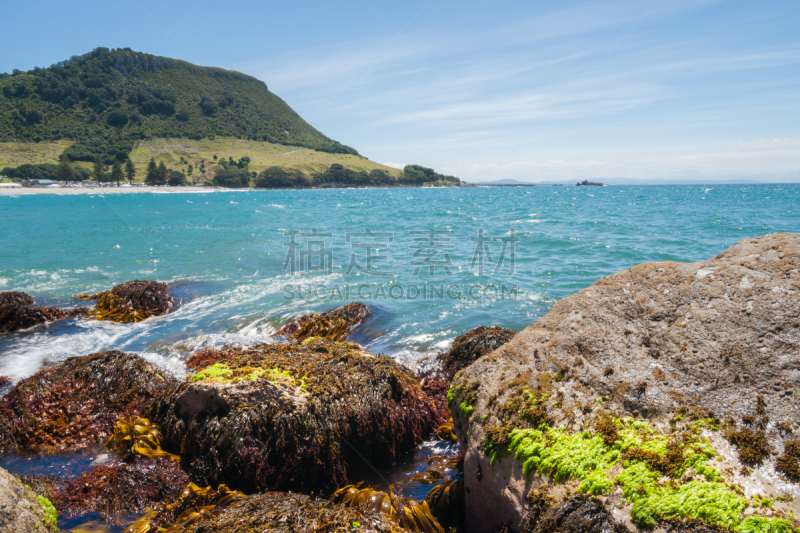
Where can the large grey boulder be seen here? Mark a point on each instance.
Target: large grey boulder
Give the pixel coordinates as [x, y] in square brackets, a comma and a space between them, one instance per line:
[713, 338]
[20, 510]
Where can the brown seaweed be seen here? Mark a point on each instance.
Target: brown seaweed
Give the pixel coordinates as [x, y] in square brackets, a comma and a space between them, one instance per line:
[77, 402]
[447, 502]
[138, 436]
[194, 504]
[328, 323]
[411, 516]
[276, 513]
[133, 301]
[304, 417]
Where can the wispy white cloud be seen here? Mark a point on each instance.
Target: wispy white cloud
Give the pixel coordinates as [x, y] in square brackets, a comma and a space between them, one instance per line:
[557, 93]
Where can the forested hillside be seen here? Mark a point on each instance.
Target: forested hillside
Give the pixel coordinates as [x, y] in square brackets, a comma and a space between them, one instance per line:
[107, 99]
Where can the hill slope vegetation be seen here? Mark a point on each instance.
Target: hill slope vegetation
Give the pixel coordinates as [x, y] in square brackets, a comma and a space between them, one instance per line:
[110, 98]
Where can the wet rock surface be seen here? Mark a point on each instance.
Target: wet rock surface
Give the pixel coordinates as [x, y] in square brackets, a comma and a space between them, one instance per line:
[473, 344]
[78, 402]
[578, 514]
[132, 301]
[704, 351]
[305, 417]
[17, 312]
[20, 510]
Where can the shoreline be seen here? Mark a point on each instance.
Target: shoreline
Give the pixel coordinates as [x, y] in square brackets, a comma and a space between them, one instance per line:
[168, 189]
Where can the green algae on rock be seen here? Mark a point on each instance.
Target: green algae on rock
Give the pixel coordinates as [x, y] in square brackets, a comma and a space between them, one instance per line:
[132, 301]
[670, 343]
[78, 402]
[312, 418]
[22, 510]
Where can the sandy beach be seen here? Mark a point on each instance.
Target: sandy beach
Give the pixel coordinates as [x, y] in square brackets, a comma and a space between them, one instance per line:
[107, 190]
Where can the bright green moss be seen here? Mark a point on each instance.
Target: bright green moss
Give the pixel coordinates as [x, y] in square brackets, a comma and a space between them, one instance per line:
[710, 501]
[451, 393]
[596, 483]
[49, 513]
[222, 372]
[760, 524]
[553, 451]
[637, 481]
[466, 409]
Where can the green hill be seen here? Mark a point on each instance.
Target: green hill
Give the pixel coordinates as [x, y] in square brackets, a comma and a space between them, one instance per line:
[108, 99]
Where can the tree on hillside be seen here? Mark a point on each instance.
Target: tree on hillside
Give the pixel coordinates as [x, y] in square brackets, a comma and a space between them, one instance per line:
[118, 118]
[232, 178]
[177, 178]
[162, 172]
[153, 176]
[130, 170]
[65, 171]
[98, 169]
[189, 169]
[116, 172]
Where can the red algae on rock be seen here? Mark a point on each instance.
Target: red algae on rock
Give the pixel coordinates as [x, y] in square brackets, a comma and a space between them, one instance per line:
[76, 403]
[117, 490]
[132, 301]
[305, 417]
[17, 312]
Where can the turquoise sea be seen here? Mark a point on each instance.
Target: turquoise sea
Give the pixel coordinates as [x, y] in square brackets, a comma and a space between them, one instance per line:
[227, 257]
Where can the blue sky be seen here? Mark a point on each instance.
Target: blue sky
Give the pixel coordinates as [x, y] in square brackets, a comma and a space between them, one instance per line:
[487, 90]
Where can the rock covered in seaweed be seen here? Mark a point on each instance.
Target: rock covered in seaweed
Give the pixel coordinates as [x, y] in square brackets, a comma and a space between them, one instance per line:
[335, 324]
[706, 353]
[21, 510]
[17, 312]
[225, 511]
[78, 402]
[297, 416]
[118, 490]
[473, 344]
[132, 301]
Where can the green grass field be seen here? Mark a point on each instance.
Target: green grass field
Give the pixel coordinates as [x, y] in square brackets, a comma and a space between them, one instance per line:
[170, 151]
[14, 154]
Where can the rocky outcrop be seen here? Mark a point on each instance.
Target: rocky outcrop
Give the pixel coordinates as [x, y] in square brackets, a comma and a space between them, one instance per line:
[17, 312]
[664, 381]
[335, 324]
[578, 514]
[132, 301]
[78, 402]
[305, 417]
[21, 511]
[473, 344]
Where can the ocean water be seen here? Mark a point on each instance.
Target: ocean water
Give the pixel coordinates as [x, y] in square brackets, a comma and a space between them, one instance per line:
[441, 261]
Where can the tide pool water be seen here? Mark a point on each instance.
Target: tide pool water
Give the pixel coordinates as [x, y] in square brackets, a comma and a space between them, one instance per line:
[430, 263]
